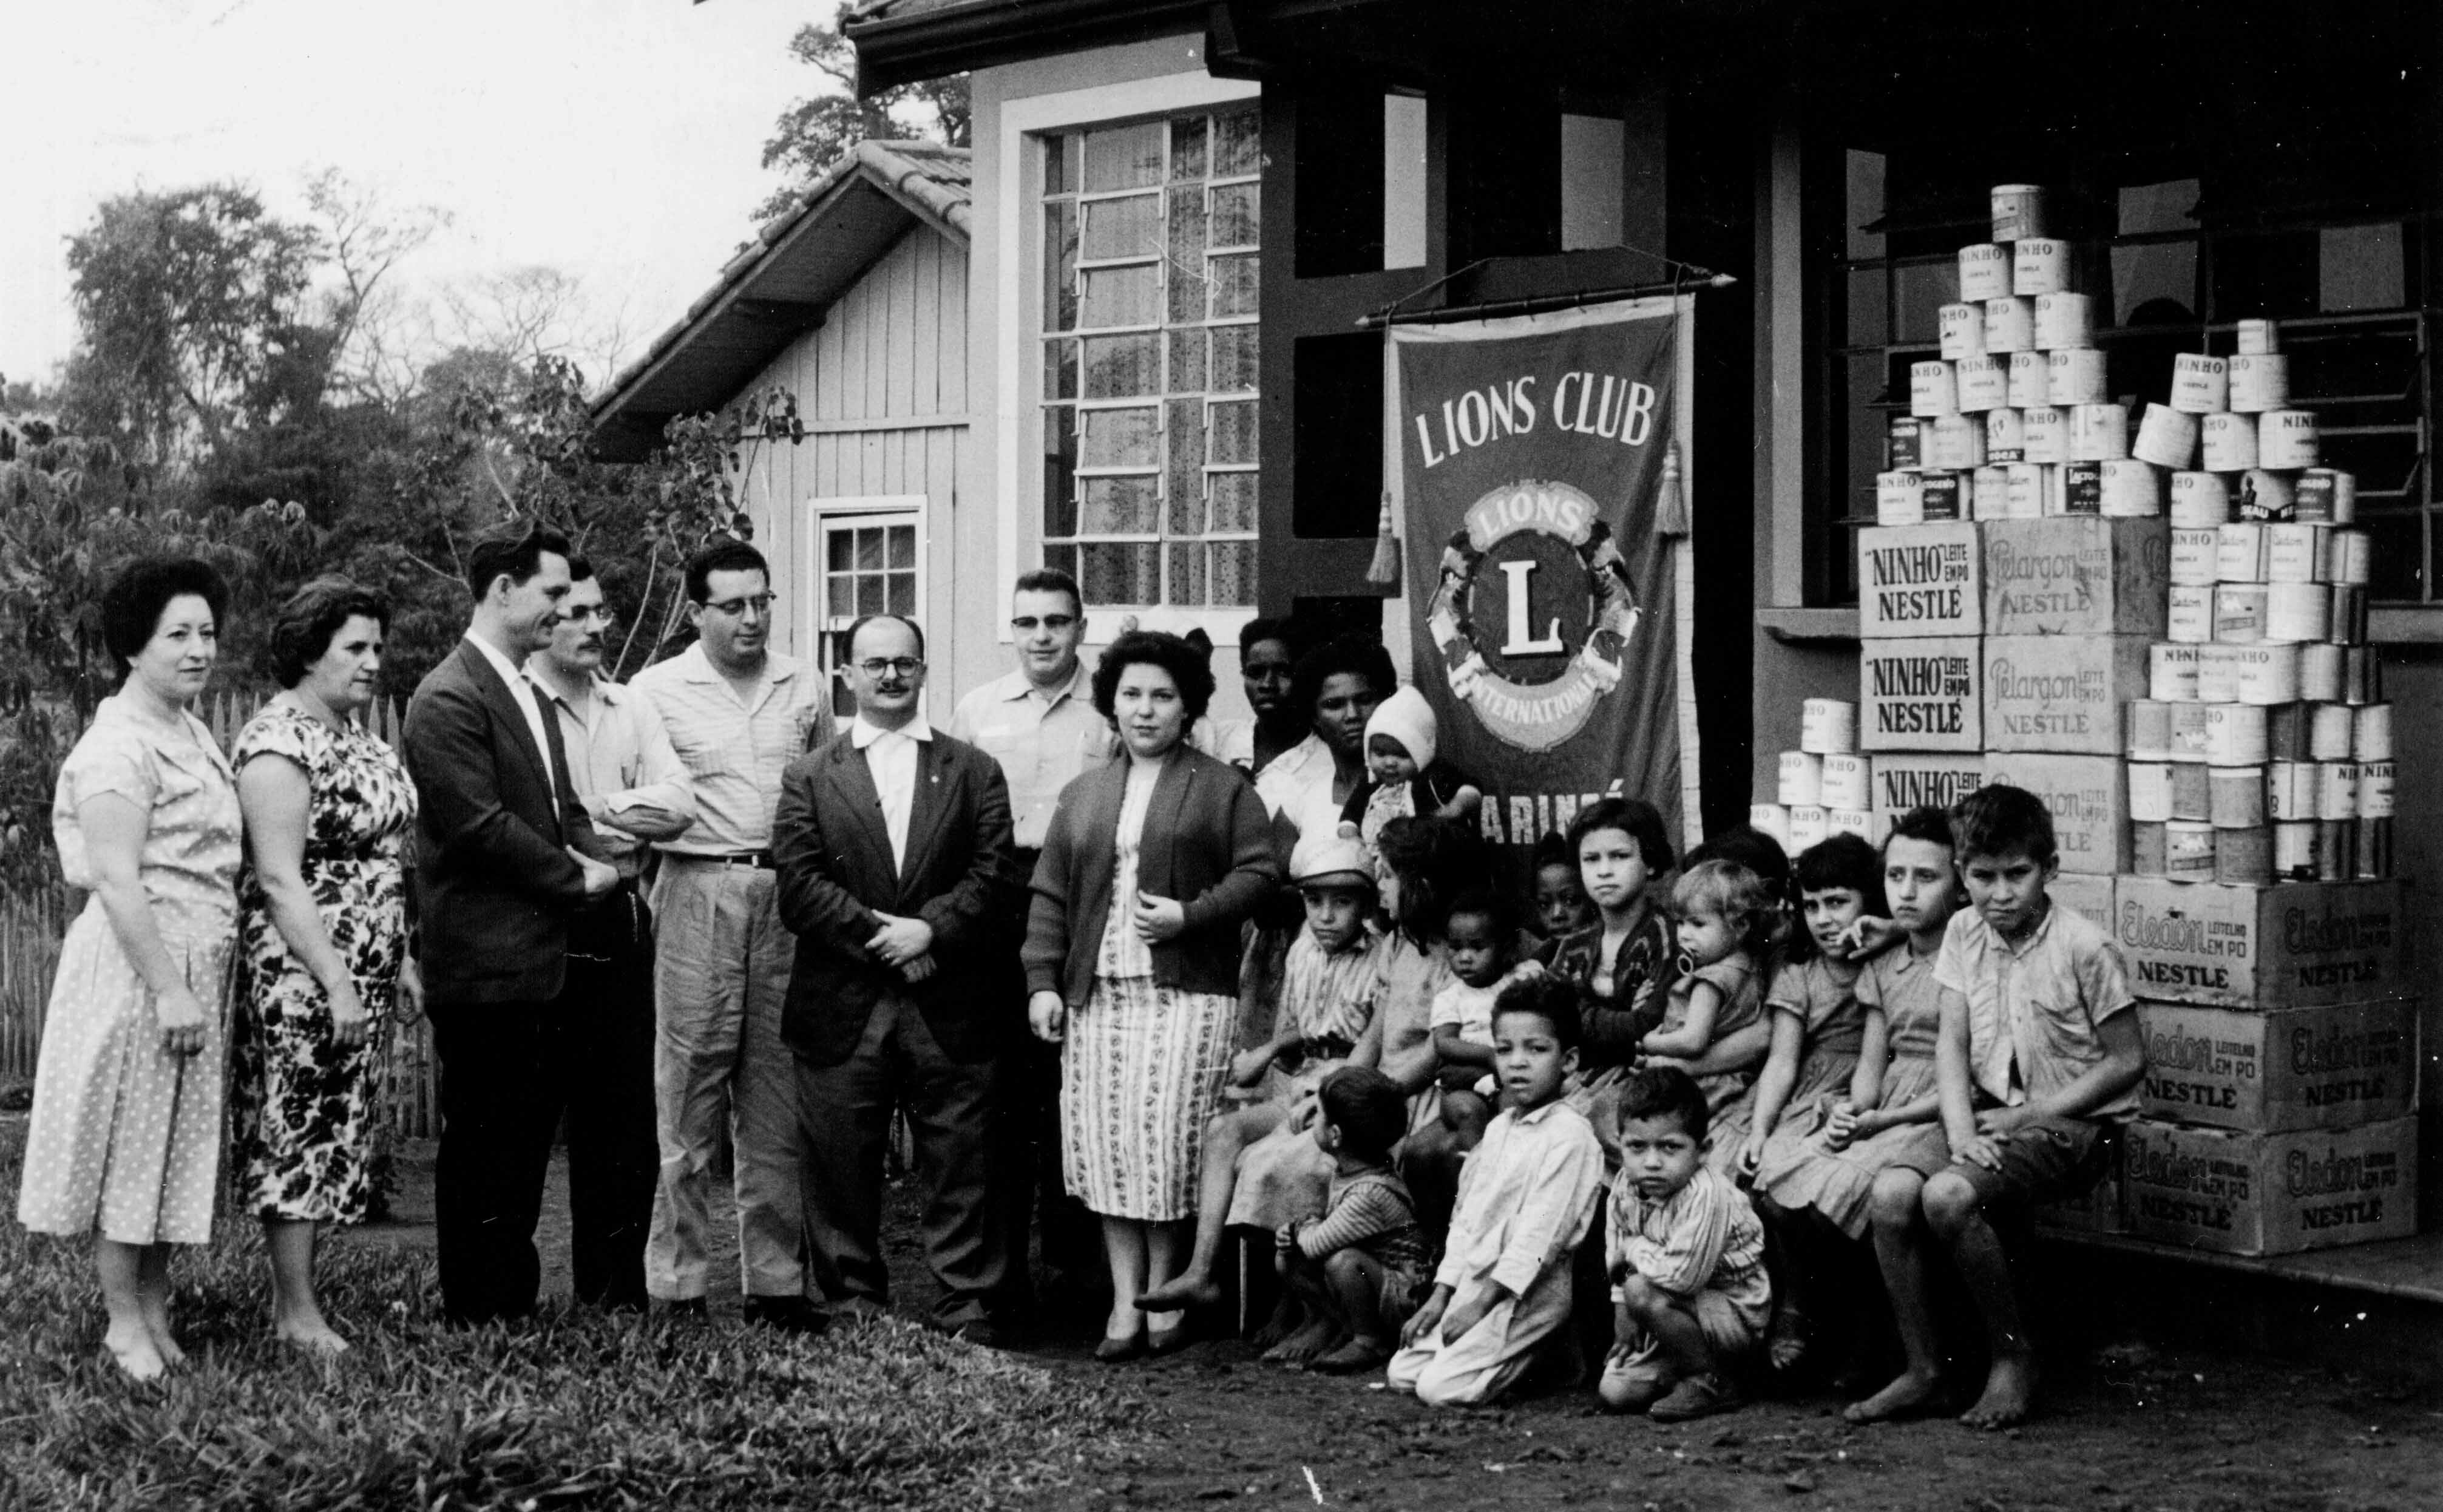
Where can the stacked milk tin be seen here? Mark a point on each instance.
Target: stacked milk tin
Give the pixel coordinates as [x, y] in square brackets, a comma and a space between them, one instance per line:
[2262, 750]
[2013, 420]
[1825, 787]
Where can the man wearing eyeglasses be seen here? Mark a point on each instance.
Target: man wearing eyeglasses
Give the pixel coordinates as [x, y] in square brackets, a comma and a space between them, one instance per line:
[1040, 725]
[737, 714]
[621, 767]
[895, 874]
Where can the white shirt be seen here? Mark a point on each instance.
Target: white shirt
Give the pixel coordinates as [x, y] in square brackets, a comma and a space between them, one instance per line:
[1297, 783]
[1042, 741]
[1526, 1197]
[523, 690]
[890, 755]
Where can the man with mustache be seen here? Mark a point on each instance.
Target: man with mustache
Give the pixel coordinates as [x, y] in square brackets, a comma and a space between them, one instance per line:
[624, 771]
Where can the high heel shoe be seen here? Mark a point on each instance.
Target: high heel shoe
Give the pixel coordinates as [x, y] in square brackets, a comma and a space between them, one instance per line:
[1120, 1351]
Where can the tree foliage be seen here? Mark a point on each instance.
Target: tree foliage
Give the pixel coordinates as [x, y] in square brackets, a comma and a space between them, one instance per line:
[192, 311]
[814, 133]
[232, 397]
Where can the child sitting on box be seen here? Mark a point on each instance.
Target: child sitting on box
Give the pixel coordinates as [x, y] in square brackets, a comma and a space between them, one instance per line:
[1361, 1267]
[1404, 775]
[1258, 1168]
[1817, 1030]
[1526, 1198]
[1713, 1023]
[2036, 1068]
[1483, 960]
[1685, 1254]
[1822, 1173]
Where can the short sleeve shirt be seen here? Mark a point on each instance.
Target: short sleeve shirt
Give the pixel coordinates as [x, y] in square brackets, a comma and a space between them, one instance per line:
[1900, 982]
[2034, 1012]
[1829, 1007]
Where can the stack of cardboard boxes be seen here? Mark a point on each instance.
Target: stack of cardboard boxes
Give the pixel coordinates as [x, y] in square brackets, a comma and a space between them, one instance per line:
[2194, 700]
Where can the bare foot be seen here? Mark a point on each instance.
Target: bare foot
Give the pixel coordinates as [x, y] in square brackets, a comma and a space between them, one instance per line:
[130, 1348]
[1909, 1395]
[1287, 1314]
[1354, 1357]
[2009, 1390]
[1187, 1289]
[317, 1337]
[156, 1322]
[1305, 1344]
[1786, 1340]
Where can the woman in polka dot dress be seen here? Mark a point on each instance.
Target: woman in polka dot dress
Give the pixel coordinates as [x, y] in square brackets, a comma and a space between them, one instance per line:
[125, 1140]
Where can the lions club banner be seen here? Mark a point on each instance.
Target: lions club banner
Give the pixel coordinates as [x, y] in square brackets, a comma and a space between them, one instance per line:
[1549, 565]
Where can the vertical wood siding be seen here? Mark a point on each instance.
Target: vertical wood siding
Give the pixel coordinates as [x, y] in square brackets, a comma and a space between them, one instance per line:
[893, 349]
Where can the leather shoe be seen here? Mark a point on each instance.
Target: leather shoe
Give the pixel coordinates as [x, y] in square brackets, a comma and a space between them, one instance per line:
[790, 1314]
[1120, 1351]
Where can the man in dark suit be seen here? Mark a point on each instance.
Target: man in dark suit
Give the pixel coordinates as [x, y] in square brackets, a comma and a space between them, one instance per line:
[504, 863]
[894, 848]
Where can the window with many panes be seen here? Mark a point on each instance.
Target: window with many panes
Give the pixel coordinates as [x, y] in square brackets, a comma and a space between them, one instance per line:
[1149, 336]
[2173, 263]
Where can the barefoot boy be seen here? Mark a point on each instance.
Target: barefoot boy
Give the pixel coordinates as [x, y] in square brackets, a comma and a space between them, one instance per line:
[1686, 1256]
[1525, 1199]
[1361, 1265]
[2036, 1067]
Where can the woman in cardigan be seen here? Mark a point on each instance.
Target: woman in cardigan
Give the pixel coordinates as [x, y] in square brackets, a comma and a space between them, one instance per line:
[1132, 961]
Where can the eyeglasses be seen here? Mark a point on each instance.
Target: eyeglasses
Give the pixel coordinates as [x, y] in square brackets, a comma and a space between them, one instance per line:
[602, 614]
[1025, 624]
[904, 666]
[736, 608]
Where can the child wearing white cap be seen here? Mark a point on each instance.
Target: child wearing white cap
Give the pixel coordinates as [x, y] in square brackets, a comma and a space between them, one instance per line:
[1404, 774]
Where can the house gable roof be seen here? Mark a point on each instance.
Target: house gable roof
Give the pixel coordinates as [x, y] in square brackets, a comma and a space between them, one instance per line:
[779, 286]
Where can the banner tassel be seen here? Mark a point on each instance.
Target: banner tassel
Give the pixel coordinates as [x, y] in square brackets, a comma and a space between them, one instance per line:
[1387, 547]
[1671, 500]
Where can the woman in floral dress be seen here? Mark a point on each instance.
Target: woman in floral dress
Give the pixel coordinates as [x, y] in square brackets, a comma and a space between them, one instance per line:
[323, 932]
[125, 1140]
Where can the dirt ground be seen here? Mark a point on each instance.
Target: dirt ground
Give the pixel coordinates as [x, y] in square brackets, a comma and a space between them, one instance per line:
[2137, 1431]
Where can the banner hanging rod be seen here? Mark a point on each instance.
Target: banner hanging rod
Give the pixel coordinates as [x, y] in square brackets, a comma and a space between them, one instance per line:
[1536, 305]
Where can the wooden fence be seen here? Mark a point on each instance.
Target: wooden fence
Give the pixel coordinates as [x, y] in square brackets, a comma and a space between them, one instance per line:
[31, 924]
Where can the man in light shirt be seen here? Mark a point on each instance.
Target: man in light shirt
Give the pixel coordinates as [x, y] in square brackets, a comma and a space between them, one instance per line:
[1040, 725]
[622, 769]
[895, 875]
[737, 713]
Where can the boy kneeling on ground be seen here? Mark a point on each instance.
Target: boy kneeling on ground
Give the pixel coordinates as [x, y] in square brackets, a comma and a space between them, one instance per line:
[1526, 1198]
[2036, 1069]
[1686, 1255]
[1360, 1266]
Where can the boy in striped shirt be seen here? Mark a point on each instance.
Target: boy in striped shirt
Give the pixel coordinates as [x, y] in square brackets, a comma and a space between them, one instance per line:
[1686, 1256]
[1360, 1267]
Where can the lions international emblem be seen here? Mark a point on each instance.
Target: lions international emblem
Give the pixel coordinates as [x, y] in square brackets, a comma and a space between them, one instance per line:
[1534, 612]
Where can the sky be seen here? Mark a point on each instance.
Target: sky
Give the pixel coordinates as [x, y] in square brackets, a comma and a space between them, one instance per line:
[617, 141]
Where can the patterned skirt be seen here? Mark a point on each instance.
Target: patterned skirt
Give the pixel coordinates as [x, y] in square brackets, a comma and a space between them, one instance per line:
[1140, 1074]
[125, 1136]
[1819, 1076]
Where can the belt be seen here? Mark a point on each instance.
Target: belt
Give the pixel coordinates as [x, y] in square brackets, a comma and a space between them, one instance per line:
[760, 860]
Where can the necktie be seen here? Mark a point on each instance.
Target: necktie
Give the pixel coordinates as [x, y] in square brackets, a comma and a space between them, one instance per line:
[575, 827]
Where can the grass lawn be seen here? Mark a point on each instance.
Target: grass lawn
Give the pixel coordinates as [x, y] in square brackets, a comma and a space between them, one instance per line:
[574, 1409]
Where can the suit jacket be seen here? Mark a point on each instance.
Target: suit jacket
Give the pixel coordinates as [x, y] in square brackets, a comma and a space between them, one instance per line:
[1207, 843]
[833, 854]
[495, 888]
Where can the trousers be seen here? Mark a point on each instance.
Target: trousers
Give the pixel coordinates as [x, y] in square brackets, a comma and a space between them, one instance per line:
[949, 1106]
[721, 972]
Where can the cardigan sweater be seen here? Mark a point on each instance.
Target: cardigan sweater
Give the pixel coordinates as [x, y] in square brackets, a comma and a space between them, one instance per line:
[1207, 843]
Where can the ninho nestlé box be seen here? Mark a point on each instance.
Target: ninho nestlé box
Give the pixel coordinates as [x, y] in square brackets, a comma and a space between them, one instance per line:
[1907, 780]
[2061, 693]
[2274, 1070]
[2291, 945]
[2269, 1193]
[2077, 574]
[1925, 695]
[1920, 581]
[2089, 798]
